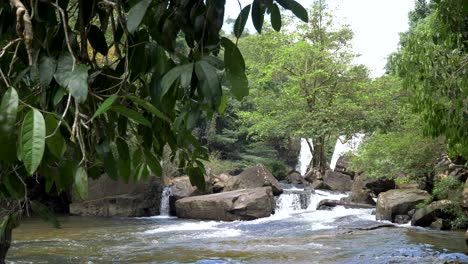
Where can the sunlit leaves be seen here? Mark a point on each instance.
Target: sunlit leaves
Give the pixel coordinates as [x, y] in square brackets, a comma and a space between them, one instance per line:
[32, 140]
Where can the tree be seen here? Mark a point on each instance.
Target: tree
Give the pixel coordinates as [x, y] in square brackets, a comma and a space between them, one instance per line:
[88, 86]
[304, 84]
[432, 62]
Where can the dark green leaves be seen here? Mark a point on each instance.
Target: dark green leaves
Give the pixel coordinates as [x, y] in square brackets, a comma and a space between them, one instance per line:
[297, 9]
[172, 75]
[8, 110]
[55, 142]
[258, 11]
[106, 105]
[97, 40]
[136, 14]
[235, 69]
[241, 20]
[275, 17]
[133, 115]
[81, 182]
[149, 107]
[124, 162]
[74, 80]
[45, 213]
[47, 66]
[32, 140]
[209, 83]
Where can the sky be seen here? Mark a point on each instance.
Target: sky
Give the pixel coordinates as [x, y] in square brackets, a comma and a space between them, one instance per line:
[376, 25]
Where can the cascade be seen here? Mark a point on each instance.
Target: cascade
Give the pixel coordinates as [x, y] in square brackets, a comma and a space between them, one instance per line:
[164, 207]
[293, 200]
[305, 156]
[342, 148]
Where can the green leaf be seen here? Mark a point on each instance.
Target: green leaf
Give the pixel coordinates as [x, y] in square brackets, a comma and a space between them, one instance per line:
[197, 178]
[124, 162]
[153, 164]
[297, 9]
[223, 105]
[136, 14]
[106, 105]
[210, 85]
[149, 107]
[32, 140]
[8, 111]
[235, 69]
[56, 143]
[81, 182]
[45, 213]
[258, 12]
[169, 78]
[241, 20]
[97, 40]
[110, 165]
[58, 95]
[75, 81]
[275, 17]
[47, 67]
[134, 115]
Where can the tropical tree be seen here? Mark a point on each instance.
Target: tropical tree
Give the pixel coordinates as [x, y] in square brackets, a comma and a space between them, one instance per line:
[433, 64]
[304, 84]
[93, 86]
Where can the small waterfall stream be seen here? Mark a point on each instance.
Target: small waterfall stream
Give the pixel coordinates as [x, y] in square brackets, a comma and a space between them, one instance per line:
[164, 207]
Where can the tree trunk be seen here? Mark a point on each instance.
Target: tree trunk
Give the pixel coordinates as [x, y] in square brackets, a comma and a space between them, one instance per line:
[319, 160]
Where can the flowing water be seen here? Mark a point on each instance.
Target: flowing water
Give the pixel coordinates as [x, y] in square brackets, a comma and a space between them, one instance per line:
[291, 235]
[164, 208]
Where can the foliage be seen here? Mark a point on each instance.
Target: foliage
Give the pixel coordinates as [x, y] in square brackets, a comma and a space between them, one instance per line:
[445, 186]
[433, 63]
[303, 83]
[67, 114]
[402, 152]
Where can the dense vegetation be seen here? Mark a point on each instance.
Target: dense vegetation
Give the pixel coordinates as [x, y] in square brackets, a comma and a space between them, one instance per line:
[112, 86]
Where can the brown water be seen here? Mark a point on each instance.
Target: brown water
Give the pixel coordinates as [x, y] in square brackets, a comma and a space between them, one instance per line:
[289, 236]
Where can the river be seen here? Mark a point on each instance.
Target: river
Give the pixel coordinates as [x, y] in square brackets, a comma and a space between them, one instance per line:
[292, 235]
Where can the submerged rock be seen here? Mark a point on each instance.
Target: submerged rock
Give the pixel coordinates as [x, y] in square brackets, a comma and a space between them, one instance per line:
[254, 177]
[398, 202]
[327, 204]
[246, 204]
[402, 219]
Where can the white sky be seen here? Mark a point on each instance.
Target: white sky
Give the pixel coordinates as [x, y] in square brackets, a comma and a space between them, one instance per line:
[376, 25]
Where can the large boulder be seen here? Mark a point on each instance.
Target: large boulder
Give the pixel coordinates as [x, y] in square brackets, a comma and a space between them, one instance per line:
[363, 189]
[107, 197]
[337, 181]
[181, 187]
[246, 204]
[430, 213]
[328, 204]
[254, 177]
[398, 202]
[219, 182]
[342, 165]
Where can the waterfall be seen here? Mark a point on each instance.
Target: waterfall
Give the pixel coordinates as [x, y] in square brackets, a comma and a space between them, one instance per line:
[164, 207]
[305, 156]
[342, 148]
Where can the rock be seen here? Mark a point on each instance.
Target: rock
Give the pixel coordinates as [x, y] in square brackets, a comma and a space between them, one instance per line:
[181, 188]
[440, 224]
[464, 202]
[402, 219]
[327, 204]
[313, 176]
[294, 177]
[342, 165]
[320, 185]
[219, 182]
[246, 204]
[107, 197]
[410, 185]
[398, 202]
[466, 237]
[430, 213]
[337, 181]
[254, 177]
[363, 189]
